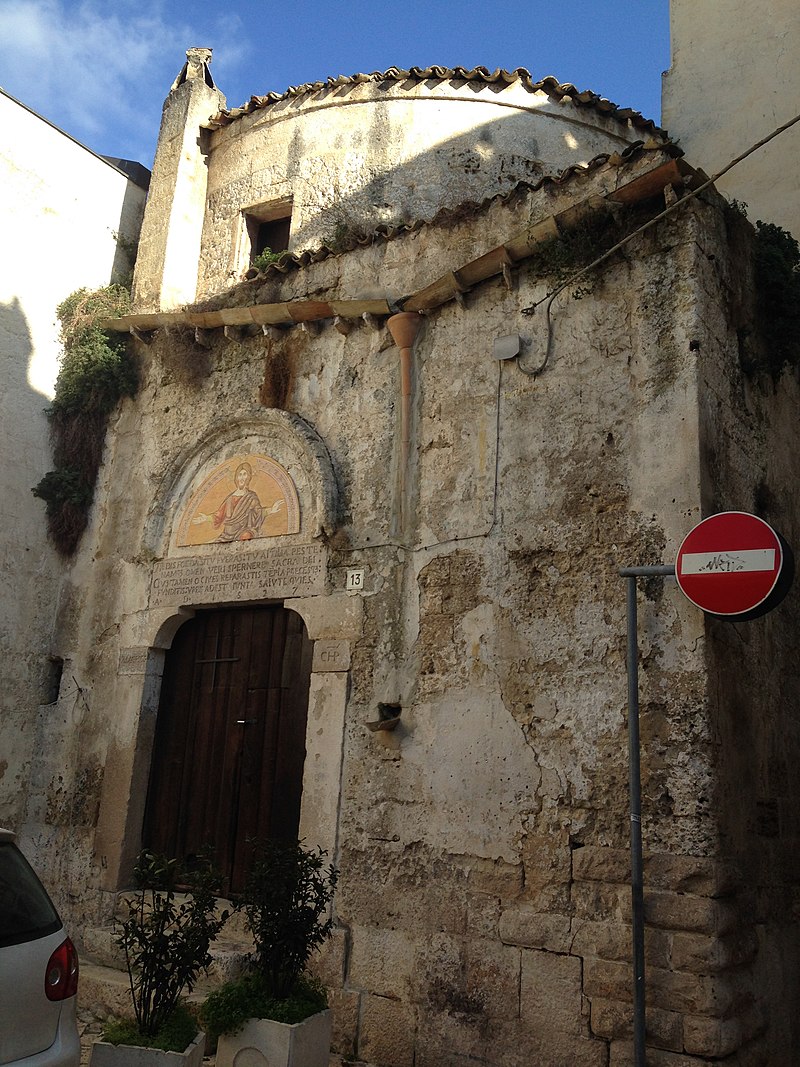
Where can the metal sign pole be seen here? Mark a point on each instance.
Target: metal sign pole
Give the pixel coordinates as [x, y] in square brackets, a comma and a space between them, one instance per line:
[630, 574]
[732, 565]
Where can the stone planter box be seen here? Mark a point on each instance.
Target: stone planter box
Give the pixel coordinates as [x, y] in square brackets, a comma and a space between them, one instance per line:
[107, 1055]
[265, 1043]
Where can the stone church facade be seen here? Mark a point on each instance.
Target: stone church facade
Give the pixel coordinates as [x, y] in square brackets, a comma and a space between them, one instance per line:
[353, 564]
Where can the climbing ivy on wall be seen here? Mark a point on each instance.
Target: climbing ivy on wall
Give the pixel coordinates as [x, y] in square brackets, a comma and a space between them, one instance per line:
[777, 283]
[96, 372]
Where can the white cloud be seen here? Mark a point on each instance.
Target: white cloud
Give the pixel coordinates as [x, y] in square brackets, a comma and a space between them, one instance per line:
[100, 74]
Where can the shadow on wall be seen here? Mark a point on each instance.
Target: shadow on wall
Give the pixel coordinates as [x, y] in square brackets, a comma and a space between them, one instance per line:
[27, 563]
[26, 454]
[130, 224]
[25, 459]
[375, 173]
[367, 186]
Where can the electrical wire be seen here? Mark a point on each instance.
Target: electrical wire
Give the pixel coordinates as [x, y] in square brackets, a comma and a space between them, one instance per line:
[550, 297]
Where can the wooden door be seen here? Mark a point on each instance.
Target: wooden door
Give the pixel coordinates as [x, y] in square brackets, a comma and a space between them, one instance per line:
[227, 768]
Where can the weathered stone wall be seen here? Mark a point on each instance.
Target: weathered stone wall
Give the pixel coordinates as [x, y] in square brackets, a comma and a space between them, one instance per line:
[483, 906]
[749, 434]
[350, 158]
[62, 209]
[507, 916]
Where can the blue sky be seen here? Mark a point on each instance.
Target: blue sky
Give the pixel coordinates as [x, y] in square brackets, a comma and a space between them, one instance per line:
[101, 70]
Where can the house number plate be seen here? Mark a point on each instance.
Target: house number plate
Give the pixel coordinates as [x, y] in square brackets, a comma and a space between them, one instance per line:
[355, 580]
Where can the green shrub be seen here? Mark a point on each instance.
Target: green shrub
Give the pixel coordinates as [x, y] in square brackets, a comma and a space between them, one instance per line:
[574, 249]
[287, 890]
[65, 485]
[84, 307]
[96, 372]
[228, 1008]
[175, 1035]
[777, 283]
[265, 258]
[166, 943]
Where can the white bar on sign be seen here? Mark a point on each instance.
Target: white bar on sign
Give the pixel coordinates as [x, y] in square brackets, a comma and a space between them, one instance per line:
[737, 560]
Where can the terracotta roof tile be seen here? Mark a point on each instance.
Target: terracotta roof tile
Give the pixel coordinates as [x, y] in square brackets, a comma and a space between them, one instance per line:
[550, 85]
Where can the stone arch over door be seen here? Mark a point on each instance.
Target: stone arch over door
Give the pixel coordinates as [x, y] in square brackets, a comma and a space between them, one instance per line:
[229, 746]
[333, 622]
[284, 437]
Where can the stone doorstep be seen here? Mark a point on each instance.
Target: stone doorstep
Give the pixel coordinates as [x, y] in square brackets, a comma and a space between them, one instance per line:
[98, 944]
[228, 958]
[102, 991]
[103, 987]
[235, 927]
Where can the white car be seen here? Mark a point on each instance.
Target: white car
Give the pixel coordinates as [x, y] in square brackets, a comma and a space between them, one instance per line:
[38, 970]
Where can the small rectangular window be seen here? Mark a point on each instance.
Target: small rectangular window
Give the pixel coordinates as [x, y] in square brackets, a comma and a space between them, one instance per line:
[268, 226]
[272, 235]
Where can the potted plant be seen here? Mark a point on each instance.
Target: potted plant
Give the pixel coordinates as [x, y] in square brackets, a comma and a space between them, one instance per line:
[274, 1006]
[166, 940]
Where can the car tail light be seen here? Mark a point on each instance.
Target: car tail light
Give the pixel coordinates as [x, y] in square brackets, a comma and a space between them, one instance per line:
[61, 976]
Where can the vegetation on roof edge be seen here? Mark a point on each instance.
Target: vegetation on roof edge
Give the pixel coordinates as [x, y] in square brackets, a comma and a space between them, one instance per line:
[549, 84]
[777, 283]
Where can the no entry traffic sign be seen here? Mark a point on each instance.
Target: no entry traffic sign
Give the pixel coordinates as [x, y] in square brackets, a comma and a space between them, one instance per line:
[734, 565]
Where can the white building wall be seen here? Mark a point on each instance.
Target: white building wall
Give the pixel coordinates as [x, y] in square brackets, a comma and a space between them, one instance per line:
[60, 210]
[735, 78]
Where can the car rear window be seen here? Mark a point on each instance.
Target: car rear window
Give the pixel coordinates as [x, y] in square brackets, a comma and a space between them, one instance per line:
[25, 909]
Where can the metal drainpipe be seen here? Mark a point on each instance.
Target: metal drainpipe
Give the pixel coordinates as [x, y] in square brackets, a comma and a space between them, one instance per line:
[630, 574]
[404, 328]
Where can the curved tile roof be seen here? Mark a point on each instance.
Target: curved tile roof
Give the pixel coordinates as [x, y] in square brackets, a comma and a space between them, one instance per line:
[550, 85]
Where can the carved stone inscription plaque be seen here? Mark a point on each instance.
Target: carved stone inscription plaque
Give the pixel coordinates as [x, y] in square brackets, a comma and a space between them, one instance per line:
[331, 656]
[133, 660]
[277, 573]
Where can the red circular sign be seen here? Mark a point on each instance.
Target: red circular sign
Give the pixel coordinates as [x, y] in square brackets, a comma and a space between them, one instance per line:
[730, 563]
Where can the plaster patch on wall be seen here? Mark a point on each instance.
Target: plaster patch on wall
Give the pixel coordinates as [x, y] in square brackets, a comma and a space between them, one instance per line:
[465, 752]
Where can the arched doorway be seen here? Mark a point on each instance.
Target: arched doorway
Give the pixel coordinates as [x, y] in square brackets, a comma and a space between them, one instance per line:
[227, 768]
